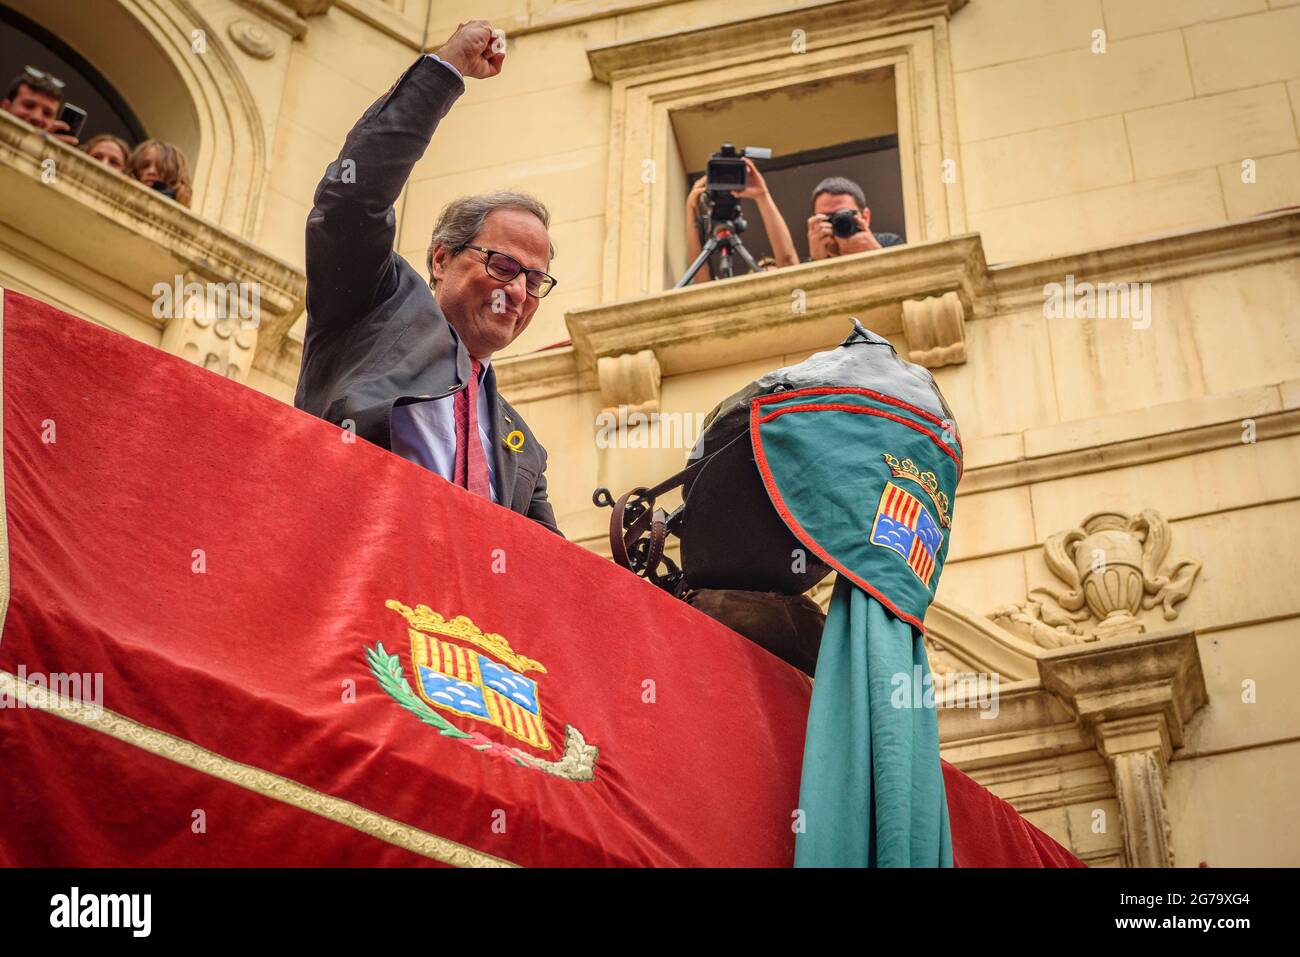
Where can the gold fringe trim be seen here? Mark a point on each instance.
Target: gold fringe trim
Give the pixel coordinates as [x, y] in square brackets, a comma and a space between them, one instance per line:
[253, 779]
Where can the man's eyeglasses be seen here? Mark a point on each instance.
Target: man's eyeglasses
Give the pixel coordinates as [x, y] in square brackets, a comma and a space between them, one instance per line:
[36, 74]
[505, 268]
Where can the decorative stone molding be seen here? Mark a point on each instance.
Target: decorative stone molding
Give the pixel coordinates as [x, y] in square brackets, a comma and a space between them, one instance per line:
[1135, 695]
[1112, 567]
[961, 640]
[936, 330]
[210, 110]
[278, 13]
[1138, 766]
[568, 14]
[652, 78]
[309, 8]
[1267, 237]
[203, 330]
[252, 39]
[797, 309]
[554, 16]
[538, 375]
[1124, 440]
[136, 239]
[977, 644]
[988, 291]
[1033, 726]
[708, 44]
[631, 380]
[410, 21]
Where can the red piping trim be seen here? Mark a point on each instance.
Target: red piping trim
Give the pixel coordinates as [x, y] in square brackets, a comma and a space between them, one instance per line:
[864, 410]
[760, 458]
[880, 396]
[853, 390]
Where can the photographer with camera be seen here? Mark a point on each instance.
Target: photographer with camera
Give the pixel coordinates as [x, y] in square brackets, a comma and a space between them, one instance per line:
[36, 98]
[783, 251]
[840, 223]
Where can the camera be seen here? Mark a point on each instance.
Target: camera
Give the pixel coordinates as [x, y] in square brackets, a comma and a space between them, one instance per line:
[726, 172]
[844, 223]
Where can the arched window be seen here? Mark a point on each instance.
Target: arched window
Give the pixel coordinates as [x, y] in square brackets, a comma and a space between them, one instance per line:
[24, 42]
[170, 68]
[101, 245]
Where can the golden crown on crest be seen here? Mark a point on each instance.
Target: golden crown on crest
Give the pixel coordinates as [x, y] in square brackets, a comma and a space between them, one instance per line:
[907, 469]
[425, 619]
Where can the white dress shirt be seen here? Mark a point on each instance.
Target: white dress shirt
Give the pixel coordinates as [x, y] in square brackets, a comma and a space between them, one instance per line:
[434, 56]
[425, 433]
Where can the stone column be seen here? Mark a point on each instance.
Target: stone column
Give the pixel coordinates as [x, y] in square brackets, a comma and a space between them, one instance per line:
[1137, 750]
[1135, 695]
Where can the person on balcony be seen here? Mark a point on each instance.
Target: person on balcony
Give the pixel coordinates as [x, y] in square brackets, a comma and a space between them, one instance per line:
[162, 167]
[110, 150]
[832, 195]
[35, 97]
[783, 251]
[407, 363]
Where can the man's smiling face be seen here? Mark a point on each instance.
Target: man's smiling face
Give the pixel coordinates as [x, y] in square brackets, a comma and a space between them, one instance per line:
[33, 106]
[486, 313]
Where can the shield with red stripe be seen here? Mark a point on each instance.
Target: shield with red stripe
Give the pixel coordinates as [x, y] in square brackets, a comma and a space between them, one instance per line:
[465, 682]
[903, 524]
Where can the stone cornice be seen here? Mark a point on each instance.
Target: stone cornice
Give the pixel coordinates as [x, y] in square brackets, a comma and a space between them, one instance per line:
[387, 20]
[1024, 708]
[979, 644]
[1121, 679]
[1135, 696]
[1274, 409]
[309, 8]
[801, 307]
[982, 291]
[291, 17]
[279, 14]
[539, 375]
[842, 22]
[131, 234]
[1233, 245]
[572, 13]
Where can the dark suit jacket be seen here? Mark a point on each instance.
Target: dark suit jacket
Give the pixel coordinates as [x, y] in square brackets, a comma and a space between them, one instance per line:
[376, 336]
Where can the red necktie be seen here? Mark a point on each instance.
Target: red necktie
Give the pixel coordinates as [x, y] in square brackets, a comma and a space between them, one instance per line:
[471, 463]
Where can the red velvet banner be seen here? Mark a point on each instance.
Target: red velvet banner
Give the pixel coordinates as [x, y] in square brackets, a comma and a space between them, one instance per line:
[309, 652]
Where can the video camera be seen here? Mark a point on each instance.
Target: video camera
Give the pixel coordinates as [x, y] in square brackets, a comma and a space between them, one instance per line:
[726, 172]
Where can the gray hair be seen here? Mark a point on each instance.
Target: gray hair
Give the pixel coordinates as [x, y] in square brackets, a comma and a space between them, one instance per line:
[841, 186]
[462, 219]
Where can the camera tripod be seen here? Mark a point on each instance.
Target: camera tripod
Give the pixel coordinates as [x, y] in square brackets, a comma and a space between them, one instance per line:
[726, 236]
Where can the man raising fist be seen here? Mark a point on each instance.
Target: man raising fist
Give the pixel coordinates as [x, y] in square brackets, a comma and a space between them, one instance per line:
[475, 49]
[403, 360]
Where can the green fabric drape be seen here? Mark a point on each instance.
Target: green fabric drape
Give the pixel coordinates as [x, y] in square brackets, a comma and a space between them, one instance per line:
[872, 792]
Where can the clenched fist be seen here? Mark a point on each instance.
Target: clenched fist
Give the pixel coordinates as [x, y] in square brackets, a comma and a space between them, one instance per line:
[475, 49]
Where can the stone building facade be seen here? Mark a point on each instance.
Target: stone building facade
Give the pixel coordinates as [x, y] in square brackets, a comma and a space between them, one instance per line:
[1101, 267]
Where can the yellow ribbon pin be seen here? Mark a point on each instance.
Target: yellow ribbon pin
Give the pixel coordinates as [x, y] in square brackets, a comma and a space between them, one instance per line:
[514, 441]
